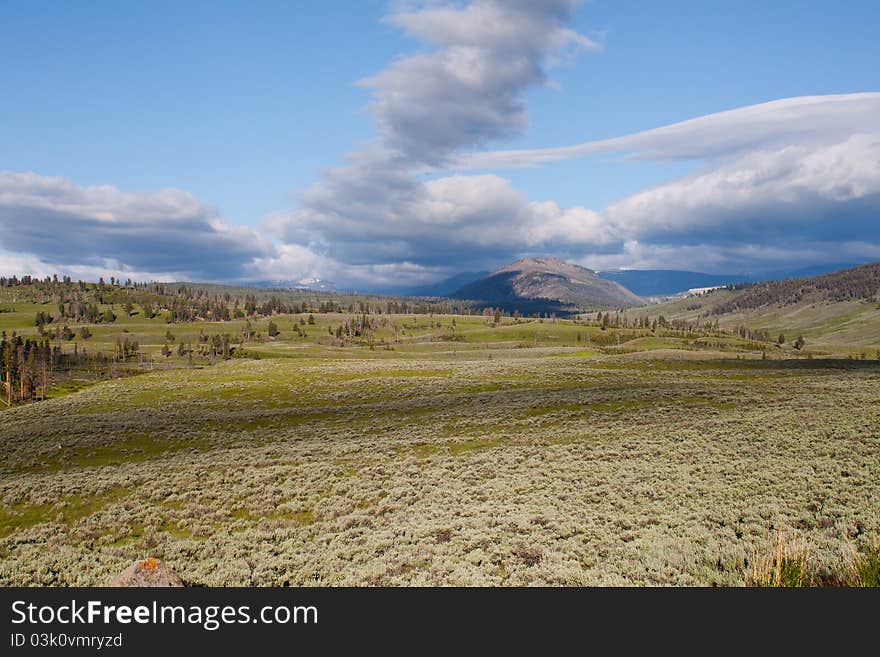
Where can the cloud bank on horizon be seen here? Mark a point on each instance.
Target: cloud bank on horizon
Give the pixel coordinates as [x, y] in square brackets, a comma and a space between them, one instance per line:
[790, 182]
[50, 225]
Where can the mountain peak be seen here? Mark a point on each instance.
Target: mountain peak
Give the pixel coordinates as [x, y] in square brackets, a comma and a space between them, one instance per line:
[554, 282]
[548, 263]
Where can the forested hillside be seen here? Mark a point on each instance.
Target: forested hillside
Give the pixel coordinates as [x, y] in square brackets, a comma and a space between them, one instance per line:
[840, 309]
[858, 283]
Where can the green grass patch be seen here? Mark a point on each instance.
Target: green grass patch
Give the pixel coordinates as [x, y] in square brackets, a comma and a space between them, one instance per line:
[126, 449]
[67, 510]
[301, 518]
[474, 445]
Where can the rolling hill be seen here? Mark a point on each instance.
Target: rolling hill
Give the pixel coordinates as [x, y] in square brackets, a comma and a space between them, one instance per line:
[839, 308]
[544, 284]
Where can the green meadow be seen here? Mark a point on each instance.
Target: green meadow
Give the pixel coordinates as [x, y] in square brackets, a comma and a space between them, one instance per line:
[440, 450]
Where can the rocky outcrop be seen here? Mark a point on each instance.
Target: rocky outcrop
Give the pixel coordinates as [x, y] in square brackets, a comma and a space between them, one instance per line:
[147, 572]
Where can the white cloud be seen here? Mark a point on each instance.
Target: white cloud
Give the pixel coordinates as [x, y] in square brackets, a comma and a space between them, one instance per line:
[59, 226]
[24, 264]
[291, 262]
[379, 211]
[790, 182]
[794, 181]
[798, 172]
[790, 121]
[459, 219]
[727, 258]
[467, 90]
[803, 170]
[795, 193]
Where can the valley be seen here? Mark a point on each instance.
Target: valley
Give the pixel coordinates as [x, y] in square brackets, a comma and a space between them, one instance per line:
[440, 447]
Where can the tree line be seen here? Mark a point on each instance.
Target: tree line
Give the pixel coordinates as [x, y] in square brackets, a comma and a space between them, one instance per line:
[858, 283]
[101, 302]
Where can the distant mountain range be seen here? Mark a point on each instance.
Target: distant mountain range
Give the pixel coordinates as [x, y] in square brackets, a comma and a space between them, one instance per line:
[545, 285]
[645, 282]
[662, 282]
[445, 287]
[316, 284]
[641, 282]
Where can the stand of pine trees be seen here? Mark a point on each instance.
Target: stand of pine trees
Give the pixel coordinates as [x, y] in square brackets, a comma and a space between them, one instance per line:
[30, 366]
[93, 303]
[26, 366]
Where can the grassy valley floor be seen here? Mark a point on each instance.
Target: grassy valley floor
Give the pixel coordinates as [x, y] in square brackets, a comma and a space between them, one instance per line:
[502, 459]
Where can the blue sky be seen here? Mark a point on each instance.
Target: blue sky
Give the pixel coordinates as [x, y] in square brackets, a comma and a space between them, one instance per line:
[238, 103]
[249, 110]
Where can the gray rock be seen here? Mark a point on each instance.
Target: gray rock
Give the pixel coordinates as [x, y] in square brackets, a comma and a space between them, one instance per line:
[147, 572]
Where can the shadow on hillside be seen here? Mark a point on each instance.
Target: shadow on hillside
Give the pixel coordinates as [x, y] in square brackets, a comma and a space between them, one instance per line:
[499, 288]
[799, 364]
